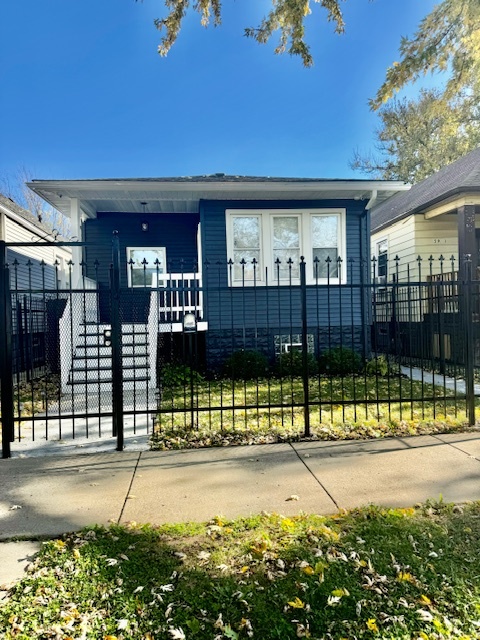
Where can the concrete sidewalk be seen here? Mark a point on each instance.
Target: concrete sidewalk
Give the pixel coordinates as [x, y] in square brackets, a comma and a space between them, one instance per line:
[52, 495]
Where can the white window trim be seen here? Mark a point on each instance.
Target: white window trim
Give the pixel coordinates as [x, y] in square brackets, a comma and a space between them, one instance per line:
[381, 280]
[129, 267]
[306, 249]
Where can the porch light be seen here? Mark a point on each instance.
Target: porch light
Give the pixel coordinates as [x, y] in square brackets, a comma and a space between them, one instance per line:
[144, 224]
[189, 322]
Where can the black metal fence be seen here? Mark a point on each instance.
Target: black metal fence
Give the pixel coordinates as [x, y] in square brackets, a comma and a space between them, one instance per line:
[222, 347]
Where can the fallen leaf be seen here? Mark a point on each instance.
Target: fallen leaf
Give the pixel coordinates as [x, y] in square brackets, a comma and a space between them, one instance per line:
[424, 615]
[372, 625]
[309, 571]
[292, 497]
[297, 603]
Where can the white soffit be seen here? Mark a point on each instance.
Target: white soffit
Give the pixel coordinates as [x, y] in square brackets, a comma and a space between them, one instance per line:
[126, 196]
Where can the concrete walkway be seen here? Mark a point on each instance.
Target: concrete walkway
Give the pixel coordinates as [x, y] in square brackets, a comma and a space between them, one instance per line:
[457, 385]
[52, 495]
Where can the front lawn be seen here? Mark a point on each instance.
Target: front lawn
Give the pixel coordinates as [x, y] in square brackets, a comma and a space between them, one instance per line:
[371, 573]
[223, 412]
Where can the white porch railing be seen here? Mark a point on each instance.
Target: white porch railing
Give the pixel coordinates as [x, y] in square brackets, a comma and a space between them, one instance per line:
[153, 338]
[178, 294]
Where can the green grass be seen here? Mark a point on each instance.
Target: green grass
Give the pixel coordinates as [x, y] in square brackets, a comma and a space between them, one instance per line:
[340, 408]
[30, 398]
[394, 574]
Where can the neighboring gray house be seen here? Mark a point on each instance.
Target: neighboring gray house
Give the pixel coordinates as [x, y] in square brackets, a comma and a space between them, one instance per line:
[32, 268]
[19, 225]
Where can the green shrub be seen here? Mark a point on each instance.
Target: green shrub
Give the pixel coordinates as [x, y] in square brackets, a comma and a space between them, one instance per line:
[246, 365]
[291, 364]
[377, 366]
[179, 375]
[340, 361]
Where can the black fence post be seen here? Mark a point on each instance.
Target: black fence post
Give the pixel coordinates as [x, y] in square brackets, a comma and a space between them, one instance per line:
[117, 369]
[470, 341]
[441, 327]
[6, 368]
[305, 376]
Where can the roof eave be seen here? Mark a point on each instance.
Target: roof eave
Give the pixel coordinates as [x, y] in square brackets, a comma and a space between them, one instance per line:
[58, 192]
[423, 208]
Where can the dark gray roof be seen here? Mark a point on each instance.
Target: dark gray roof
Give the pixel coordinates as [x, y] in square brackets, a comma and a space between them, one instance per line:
[10, 204]
[220, 177]
[461, 176]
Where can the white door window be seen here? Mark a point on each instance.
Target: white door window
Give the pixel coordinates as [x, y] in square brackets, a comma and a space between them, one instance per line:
[144, 265]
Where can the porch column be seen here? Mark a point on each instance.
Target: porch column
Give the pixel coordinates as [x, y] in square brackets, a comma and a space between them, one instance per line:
[76, 223]
[467, 244]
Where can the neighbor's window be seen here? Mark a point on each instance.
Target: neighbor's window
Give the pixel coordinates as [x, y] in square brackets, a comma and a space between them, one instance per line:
[144, 265]
[277, 239]
[382, 262]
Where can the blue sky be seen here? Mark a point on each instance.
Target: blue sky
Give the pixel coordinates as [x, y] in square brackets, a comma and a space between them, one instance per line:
[84, 93]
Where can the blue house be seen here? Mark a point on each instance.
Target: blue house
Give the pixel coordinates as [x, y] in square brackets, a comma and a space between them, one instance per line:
[234, 253]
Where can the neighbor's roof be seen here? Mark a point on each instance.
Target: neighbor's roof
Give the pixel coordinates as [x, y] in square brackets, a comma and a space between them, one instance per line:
[183, 194]
[9, 205]
[462, 176]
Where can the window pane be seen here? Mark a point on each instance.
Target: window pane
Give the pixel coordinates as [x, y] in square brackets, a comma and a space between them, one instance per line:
[324, 231]
[142, 277]
[284, 269]
[285, 233]
[382, 263]
[144, 264]
[246, 271]
[323, 269]
[325, 245]
[246, 232]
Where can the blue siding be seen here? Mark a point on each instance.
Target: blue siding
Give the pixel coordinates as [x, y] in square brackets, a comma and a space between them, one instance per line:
[212, 217]
[261, 307]
[175, 231]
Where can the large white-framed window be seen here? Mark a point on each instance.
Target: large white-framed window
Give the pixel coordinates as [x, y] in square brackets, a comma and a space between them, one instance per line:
[143, 265]
[277, 238]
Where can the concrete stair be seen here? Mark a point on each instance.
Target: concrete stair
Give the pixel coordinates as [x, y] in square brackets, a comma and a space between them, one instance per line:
[91, 371]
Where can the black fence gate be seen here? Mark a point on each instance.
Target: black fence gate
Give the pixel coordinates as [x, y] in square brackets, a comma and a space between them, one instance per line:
[123, 346]
[76, 362]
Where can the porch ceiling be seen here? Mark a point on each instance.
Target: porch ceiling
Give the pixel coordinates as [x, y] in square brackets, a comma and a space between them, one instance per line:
[182, 195]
